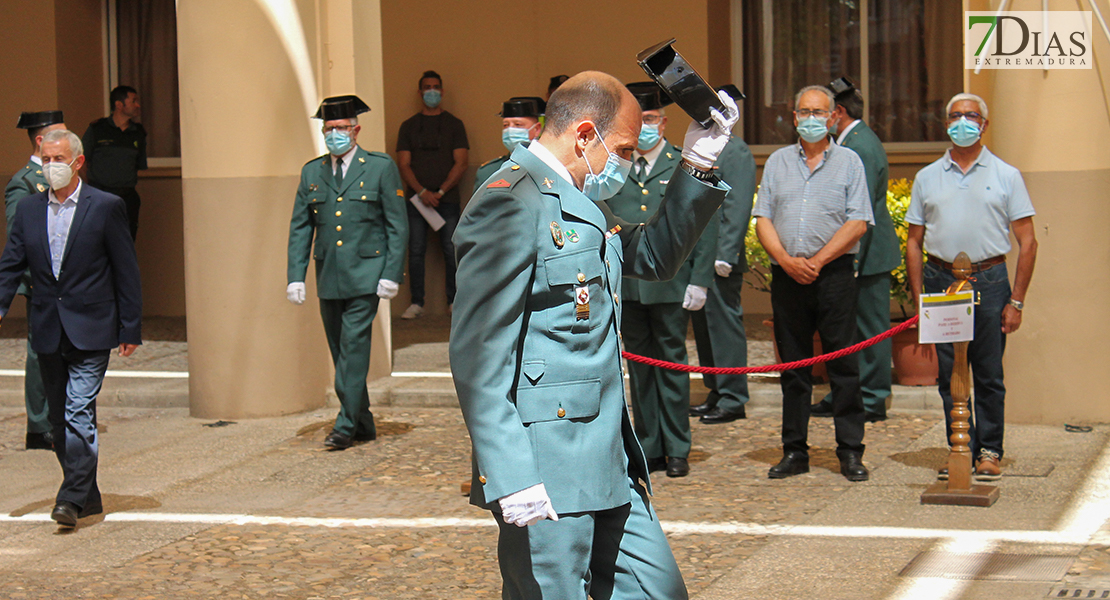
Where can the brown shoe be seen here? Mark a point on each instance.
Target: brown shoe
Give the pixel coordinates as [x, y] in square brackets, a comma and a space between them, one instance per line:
[988, 469]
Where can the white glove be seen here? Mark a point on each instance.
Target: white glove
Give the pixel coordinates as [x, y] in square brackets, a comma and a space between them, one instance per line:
[722, 268]
[387, 289]
[702, 146]
[695, 297]
[527, 507]
[294, 292]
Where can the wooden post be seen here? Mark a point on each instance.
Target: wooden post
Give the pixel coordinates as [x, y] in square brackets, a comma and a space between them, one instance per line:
[958, 490]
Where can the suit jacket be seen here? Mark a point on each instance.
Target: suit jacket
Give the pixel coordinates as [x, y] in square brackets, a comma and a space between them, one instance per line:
[97, 298]
[361, 226]
[637, 202]
[879, 251]
[28, 181]
[540, 383]
[736, 166]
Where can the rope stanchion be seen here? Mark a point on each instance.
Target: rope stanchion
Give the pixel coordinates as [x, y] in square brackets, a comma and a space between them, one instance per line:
[809, 362]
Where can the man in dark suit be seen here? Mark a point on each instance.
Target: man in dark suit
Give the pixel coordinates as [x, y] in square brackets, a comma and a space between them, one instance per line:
[76, 242]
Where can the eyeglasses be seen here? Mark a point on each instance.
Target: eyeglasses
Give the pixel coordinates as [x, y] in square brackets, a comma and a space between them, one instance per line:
[809, 112]
[652, 119]
[971, 116]
[343, 128]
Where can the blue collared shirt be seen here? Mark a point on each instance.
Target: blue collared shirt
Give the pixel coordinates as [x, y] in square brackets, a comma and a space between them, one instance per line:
[968, 212]
[59, 217]
[808, 208]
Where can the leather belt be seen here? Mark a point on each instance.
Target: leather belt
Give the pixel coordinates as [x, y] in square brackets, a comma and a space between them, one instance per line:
[982, 265]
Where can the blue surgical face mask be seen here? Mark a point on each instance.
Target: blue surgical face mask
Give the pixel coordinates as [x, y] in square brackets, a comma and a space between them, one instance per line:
[964, 133]
[432, 98]
[610, 180]
[338, 142]
[649, 137]
[813, 129]
[513, 137]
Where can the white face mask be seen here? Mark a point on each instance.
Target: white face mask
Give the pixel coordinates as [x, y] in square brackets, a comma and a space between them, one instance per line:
[58, 174]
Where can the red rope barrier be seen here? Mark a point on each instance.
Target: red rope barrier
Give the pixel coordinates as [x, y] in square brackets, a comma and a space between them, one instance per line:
[809, 362]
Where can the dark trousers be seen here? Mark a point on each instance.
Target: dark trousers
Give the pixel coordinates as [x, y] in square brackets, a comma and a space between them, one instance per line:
[131, 200]
[347, 324]
[873, 318]
[73, 378]
[660, 397]
[418, 246]
[984, 354]
[826, 306]
[723, 342]
[34, 394]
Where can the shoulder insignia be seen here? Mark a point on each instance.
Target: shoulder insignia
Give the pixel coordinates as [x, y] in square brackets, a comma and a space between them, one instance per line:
[669, 155]
[500, 183]
[41, 187]
[361, 159]
[400, 193]
[514, 168]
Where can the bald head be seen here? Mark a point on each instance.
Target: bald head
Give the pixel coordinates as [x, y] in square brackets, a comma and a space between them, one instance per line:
[589, 95]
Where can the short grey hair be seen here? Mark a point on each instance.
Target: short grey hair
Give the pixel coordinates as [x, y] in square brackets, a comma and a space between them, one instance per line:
[75, 146]
[971, 97]
[818, 88]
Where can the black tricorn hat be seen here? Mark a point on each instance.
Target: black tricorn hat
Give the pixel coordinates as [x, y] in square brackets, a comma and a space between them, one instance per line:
[34, 120]
[523, 106]
[649, 95]
[341, 107]
[841, 87]
[556, 81]
[681, 82]
[733, 92]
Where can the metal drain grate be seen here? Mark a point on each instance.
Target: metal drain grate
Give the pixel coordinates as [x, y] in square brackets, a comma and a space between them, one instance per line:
[1078, 592]
[989, 566]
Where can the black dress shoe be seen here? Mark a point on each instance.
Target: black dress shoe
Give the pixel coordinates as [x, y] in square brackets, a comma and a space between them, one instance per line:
[792, 463]
[821, 409]
[337, 441]
[65, 513]
[871, 417]
[719, 415]
[656, 464]
[677, 467]
[365, 437]
[851, 466]
[40, 441]
[92, 509]
[702, 409]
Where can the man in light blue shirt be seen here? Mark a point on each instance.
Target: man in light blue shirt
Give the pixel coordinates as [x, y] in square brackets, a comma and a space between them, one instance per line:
[812, 210]
[969, 201]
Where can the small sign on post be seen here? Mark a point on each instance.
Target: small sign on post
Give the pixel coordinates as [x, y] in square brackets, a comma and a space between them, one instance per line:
[946, 318]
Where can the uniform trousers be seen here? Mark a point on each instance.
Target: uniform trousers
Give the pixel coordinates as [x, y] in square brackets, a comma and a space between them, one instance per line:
[723, 342]
[660, 397]
[826, 306]
[347, 324]
[34, 394]
[615, 554]
[984, 354]
[72, 379]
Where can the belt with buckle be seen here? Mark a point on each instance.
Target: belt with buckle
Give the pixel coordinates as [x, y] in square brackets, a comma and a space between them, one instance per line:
[982, 265]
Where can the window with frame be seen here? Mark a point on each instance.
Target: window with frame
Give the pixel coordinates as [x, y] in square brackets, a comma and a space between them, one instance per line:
[906, 61]
[143, 55]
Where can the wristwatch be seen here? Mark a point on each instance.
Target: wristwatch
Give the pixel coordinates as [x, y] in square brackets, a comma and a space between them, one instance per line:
[1018, 304]
[709, 176]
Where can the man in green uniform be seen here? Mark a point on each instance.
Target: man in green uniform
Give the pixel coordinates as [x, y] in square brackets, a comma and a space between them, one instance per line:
[656, 312]
[535, 353]
[520, 123]
[878, 254]
[719, 327]
[30, 180]
[352, 202]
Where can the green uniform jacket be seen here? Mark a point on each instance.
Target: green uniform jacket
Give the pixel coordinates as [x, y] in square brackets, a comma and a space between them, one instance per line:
[637, 202]
[736, 167]
[540, 384]
[878, 248]
[29, 180]
[486, 170]
[361, 230]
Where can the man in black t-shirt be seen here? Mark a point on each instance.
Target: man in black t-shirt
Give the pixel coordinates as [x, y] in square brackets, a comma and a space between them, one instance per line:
[432, 157]
[115, 151]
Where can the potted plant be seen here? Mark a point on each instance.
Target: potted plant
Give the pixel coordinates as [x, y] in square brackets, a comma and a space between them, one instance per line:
[914, 364]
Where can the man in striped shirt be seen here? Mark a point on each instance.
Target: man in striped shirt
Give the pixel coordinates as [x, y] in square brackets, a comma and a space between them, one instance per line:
[812, 210]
